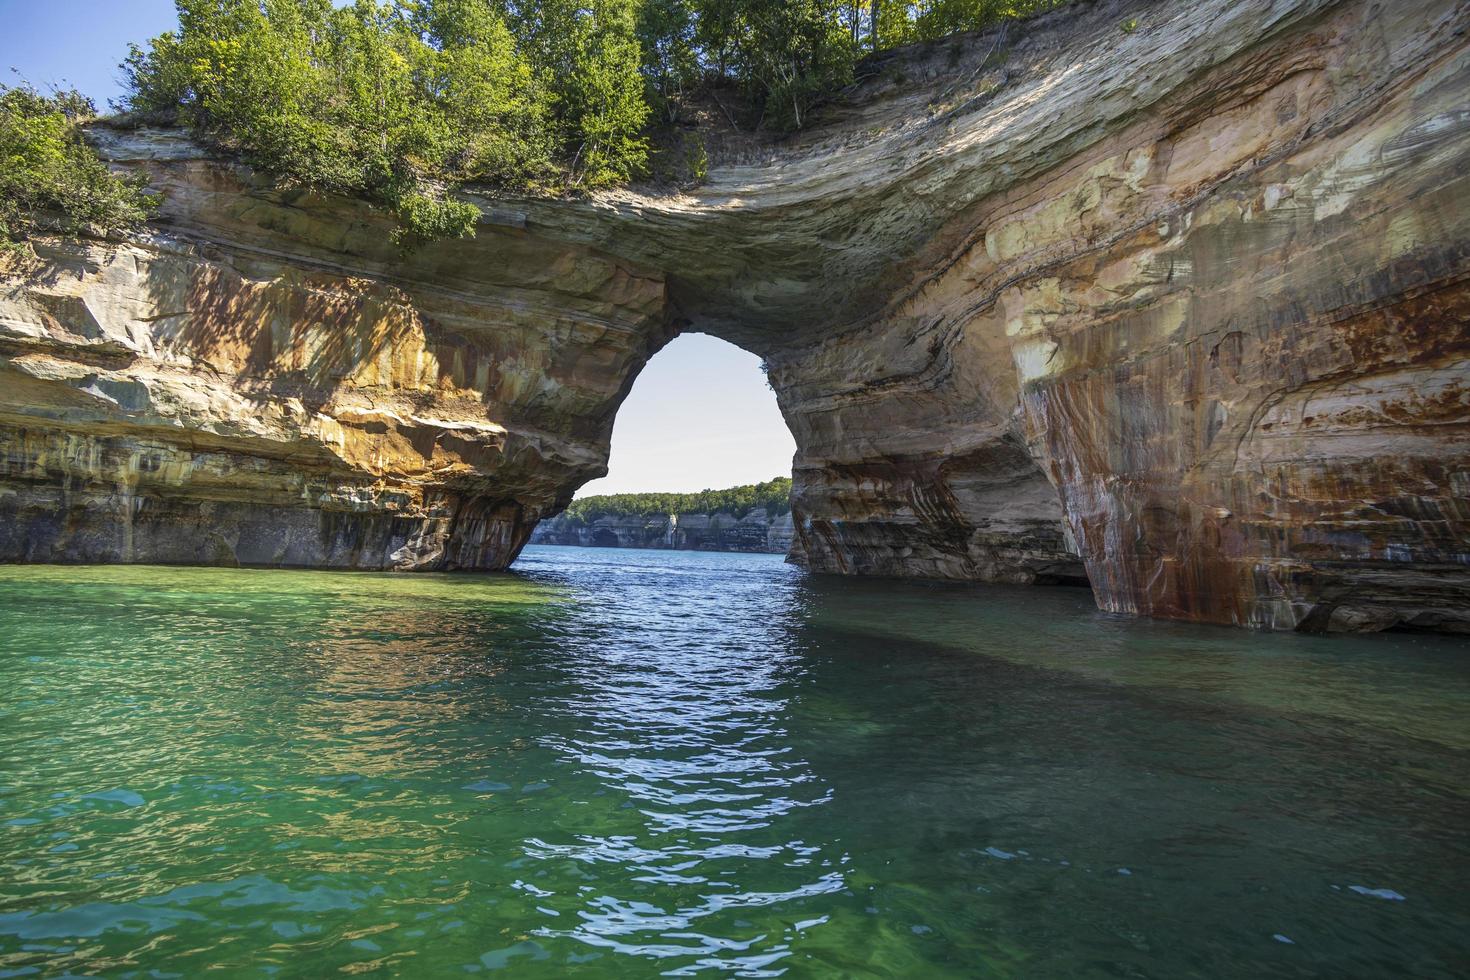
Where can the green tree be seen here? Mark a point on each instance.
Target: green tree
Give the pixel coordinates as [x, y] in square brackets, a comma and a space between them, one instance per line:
[491, 110]
[939, 18]
[400, 101]
[666, 33]
[773, 495]
[51, 178]
[789, 54]
[587, 54]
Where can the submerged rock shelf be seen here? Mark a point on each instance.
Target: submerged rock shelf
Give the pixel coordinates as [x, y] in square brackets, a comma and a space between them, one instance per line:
[1182, 308]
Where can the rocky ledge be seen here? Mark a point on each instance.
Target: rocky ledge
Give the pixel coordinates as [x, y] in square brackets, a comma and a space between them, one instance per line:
[1173, 296]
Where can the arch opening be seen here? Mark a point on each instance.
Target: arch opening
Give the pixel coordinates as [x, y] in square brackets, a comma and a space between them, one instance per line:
[700, 459]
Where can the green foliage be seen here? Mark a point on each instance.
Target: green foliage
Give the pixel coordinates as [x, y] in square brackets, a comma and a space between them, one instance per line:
[786, 56]
[587, 55]
[773, 495]
[938, 18]
[696, 159]
[671, 57]
[401, 101]
[791, 54]
[51, 178]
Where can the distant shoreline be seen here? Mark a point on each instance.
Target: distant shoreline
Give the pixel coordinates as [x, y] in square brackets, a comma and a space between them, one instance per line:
[755, 532]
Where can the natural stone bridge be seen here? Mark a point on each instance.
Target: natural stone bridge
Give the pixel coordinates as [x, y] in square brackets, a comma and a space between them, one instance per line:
[1182, 309]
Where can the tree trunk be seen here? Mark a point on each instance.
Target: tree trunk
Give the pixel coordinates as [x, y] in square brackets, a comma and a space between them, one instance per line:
[873, 23]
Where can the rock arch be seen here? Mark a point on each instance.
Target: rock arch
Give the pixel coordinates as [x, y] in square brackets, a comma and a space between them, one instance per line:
[1183, 306]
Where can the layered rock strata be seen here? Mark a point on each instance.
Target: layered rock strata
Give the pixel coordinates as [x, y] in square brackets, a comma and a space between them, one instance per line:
[1231, 333]
[266, 380]
[1170, 296]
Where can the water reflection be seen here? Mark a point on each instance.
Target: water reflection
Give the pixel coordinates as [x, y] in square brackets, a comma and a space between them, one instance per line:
[678, 710]
[625, 763]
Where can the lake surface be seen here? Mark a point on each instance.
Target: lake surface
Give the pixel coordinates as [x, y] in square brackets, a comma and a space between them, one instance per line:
[618, 763]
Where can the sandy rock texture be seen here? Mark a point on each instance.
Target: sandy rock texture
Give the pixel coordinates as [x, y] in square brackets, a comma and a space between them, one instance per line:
[265, 379]
[1176, 307]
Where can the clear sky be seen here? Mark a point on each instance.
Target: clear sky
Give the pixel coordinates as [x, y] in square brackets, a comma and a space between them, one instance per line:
[699, 417]
[77, 43]
[700, 414]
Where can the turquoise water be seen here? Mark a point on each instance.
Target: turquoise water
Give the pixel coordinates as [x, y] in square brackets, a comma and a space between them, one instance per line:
[622, 763]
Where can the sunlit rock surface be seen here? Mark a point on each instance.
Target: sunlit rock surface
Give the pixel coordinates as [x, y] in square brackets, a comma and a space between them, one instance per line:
[266, 380]
[1179, 310]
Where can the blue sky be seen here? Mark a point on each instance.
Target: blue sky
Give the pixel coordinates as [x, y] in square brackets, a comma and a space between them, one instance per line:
[699, 416]
[77, 42]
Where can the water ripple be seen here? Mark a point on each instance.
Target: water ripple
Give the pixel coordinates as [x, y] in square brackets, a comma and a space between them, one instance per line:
[631, 763]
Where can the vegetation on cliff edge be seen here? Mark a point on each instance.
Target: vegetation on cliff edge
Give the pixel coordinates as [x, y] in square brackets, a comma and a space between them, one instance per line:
[399, 102]
[50, 178]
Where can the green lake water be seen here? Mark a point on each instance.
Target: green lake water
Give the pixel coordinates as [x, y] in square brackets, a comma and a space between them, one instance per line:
[629, 764]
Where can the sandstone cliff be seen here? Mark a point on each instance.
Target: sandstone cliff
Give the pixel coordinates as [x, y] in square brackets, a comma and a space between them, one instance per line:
[756, 531]
[1181, 308]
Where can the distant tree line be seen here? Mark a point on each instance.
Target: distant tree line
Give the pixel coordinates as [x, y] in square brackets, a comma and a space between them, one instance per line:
[399, 102]
[774, 496]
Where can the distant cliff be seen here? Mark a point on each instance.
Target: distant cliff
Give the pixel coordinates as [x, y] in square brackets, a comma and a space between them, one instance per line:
[756, 531]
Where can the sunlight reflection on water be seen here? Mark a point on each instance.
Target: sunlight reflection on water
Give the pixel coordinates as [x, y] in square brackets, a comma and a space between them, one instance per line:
[617, 763]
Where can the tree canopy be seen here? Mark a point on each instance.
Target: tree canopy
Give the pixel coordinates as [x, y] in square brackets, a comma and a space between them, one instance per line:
[400, 101]
[773, 495]
[786, 56]
[50, 177]
[396, 102]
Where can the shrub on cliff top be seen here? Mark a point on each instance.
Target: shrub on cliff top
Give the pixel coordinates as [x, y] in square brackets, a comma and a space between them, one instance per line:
[50, 177]
[400, 101]
[397, 102]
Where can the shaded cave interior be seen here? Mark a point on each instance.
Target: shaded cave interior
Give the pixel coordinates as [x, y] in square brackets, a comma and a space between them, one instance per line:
[983, 513]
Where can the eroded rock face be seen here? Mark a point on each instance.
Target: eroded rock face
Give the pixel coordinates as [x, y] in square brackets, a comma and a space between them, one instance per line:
[267, 381]
[1181, 310]
[1231, 333]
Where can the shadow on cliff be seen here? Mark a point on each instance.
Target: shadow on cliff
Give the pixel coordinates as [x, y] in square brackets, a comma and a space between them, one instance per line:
[303, 335]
